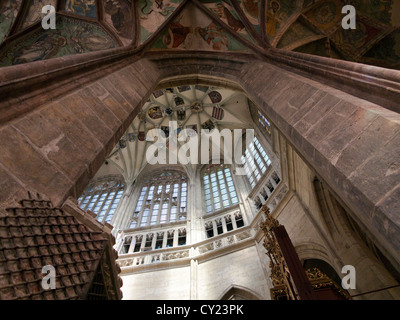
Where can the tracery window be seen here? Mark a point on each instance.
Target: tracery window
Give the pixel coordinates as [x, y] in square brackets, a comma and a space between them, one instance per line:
[255, 161]
[162, 199]
[219, 188]
[102, 197]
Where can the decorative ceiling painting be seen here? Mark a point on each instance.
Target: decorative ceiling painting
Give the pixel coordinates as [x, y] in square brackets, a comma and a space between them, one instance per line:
[8, 14]
[194, 30]
[295, 33]
[386, 52]
[72, 37]
[118, 14]
[152, 14]
[33, 12]
[245, 26]
[225, 12]
[279, 14]
[86, 8]
[315, 27]
[252, 9]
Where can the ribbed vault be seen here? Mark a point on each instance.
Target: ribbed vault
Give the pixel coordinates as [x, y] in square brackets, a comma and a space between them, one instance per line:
[194, 107]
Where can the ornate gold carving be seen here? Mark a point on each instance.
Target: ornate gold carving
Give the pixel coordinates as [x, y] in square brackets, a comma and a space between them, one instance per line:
[280, 274]
[320, 280]
[269, 222]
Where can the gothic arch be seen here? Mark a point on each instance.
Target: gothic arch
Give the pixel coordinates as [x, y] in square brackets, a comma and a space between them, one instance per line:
[312, 250]
[236, 292]
[343, 235]
[157, 169]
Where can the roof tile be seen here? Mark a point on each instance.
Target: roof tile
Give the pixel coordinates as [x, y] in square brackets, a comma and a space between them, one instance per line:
[25, 264]
[36, 235]
[7, 293]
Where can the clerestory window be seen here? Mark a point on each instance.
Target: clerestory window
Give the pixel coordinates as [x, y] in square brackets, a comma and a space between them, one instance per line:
[219, 188]
[102, 197]
[255, 161]
[162, 199]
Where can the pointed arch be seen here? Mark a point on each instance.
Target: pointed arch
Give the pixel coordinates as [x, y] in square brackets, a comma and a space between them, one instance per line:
[237, 292]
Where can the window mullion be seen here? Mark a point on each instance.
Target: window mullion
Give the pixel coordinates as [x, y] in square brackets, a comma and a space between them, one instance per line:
[107, 209]
[153, 201]
[158, 221]
[252, 172]
[212, 191]
[90, 200]
[97, 199]
[171, 196]
[221, 184]
[261, 157]
[255, 161]
[207, 187]
[87, 203]
[221, 202]
[140, 214]
[144, 205]
[177, 199]
[227, 188]
[111, 203]
[141, 208]
[104, 202]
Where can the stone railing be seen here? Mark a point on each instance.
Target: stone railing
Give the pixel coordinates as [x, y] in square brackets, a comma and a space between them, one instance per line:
[216, 243]
[265, 188]
[185, 253]
[145, 258]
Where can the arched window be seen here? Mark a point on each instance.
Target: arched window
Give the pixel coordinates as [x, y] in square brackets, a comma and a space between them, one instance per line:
[219, 189]
[102, 197]
[255, 161]
[162, 199]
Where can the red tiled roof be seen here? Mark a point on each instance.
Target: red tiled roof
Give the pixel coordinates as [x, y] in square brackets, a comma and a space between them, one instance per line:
[35, 235]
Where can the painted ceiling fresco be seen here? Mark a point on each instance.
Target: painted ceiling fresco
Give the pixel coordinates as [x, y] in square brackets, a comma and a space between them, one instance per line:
[225, 11]
[72, 37]
[86, 8]
[192, 29]
[314, 27]
[9, 12]
[252, 10]
[153, 14]
[119, 16]
[33, 12]
[307, 26]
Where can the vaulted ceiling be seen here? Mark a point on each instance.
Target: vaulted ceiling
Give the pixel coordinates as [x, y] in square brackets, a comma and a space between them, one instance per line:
[308, 26]
[194, 107]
